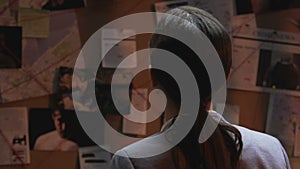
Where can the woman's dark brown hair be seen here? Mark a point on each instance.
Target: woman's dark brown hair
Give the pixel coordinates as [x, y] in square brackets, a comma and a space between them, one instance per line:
[223, 148]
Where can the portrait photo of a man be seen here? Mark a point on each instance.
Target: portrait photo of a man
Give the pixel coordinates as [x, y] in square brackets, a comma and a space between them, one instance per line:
[56, 129]
[56, 139]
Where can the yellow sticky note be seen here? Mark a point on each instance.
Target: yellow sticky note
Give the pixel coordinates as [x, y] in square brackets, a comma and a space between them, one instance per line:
[35, 23]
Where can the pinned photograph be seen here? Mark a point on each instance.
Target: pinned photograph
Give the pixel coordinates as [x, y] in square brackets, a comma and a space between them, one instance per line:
[265, 67]
[10, 47]
[56, 130]
[63, 80]
[62, 85]
[279, 70]
[115, 54]
[65, 87]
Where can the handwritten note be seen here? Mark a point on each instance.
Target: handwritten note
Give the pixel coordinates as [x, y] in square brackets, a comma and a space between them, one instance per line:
[14, 138]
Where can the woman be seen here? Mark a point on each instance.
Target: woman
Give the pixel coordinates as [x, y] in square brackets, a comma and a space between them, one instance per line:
[229, 147]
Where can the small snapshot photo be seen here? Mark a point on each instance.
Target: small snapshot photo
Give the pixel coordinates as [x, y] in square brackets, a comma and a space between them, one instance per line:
[56, 130]
[63, 80]
[10, 47]
[68, 84]
[62, 84]
[278, 70]
[63, 4]
[243, 7]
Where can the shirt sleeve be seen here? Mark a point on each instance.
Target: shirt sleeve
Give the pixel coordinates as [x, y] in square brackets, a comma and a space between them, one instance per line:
[121, 161]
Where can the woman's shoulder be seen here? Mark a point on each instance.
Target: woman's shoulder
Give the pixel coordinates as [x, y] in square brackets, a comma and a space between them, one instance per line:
[261, 150]
[255, 138]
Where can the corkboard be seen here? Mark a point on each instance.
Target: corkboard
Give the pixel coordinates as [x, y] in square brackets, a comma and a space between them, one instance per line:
[253, 105]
